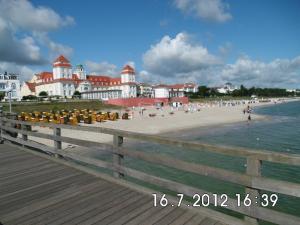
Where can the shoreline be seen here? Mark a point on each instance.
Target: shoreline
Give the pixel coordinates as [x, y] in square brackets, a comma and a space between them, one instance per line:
[165, 124]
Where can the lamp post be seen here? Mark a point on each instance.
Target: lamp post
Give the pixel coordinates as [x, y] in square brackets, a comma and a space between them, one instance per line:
[9, 93]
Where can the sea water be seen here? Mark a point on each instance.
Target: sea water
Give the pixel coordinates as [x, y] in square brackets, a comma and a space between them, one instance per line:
[280, 132]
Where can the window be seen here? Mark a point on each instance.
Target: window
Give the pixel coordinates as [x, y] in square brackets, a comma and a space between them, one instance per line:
[13, 86]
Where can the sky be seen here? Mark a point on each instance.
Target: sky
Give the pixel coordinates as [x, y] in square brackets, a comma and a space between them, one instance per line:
[210, 42]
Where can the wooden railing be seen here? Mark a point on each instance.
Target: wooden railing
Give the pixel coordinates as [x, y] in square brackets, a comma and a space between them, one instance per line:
[251, 180]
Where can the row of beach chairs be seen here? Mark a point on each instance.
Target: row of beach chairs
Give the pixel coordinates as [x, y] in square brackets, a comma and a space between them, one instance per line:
[71, 117]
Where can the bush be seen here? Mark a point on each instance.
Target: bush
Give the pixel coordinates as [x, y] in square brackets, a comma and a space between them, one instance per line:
[29, 97]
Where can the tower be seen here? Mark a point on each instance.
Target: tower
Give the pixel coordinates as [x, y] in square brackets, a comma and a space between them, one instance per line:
[62, 68]
[128, 75]
[80, 72]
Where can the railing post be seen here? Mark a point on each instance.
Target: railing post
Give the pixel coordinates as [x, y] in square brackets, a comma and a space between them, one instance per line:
[57, 144]
[24, 136]
[1, 130]
[117, 158]
[253, 169]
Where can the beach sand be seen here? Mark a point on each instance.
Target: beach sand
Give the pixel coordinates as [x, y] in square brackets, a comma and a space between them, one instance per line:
[163, 122]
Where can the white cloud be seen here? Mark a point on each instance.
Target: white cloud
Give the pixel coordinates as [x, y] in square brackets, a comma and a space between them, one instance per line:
[21, 51]
[277, 73]
[130, 63]
[23, 14]
[103, 68]
[20, 21]
[25, 72]
[181, 60]
[211, 10]
[178, 57]
[55, 48]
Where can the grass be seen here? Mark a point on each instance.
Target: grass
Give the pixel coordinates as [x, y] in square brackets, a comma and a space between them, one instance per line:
[69, 105]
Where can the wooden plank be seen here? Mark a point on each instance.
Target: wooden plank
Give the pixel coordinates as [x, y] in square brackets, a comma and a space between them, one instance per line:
[66, 207]
[118, 205]
[254, 169]
[16, 196]
[157, 216]
[221, 174]
[134, 213]
[172, 216]
[20, 166]
[117, 157]
[20, 173]
[255, 211]
[57, 133]
[140, 189]
[124, 211]
[9, 205]
[40, 185]
[33, 175]
[186, 216]
[208, 221]
[53, 199]
[31, 144]
[144, 216]
[195, 220]
[100, 206]
[88, 160]
[220, 223]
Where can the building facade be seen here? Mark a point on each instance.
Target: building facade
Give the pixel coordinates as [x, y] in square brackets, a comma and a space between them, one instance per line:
[10, 85]
[64, 81]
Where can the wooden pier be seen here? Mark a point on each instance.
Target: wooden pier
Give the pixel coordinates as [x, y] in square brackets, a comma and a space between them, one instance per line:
[36, 190]
[46, 185]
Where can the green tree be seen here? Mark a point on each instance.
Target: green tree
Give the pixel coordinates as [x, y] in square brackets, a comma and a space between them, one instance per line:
[203, 91]
[76, 94]
[43, 94]
[2, 94]
[29, 97]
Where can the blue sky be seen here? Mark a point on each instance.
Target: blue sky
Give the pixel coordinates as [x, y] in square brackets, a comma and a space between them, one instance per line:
[205, 41]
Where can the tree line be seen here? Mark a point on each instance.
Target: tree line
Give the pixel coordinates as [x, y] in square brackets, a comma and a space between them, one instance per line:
[204, 92]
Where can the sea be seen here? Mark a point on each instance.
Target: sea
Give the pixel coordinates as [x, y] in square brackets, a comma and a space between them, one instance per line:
[279, 132]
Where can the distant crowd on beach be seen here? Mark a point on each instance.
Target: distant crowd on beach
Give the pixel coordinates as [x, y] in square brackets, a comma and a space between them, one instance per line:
[161, 110]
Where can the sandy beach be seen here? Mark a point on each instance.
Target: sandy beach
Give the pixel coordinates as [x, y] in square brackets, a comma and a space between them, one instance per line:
[164, 122]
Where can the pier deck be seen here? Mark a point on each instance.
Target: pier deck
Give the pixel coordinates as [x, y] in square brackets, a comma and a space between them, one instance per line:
[36, 190]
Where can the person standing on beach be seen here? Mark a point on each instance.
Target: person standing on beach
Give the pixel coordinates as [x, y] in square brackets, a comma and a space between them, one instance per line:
[249, 118]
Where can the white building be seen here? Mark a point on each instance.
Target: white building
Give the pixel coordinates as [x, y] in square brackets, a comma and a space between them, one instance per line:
[145, 90]
[63, 81]
[175, 90]
[10, 85]
[227, 88]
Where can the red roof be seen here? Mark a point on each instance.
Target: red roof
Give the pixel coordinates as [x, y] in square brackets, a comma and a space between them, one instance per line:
[181, 86]
[189, 85]
[75, 77]
[161, 86]
[98, 78]
[128, 69]
[177, 86]
[45, 75]
[31, 86]
[61, 59]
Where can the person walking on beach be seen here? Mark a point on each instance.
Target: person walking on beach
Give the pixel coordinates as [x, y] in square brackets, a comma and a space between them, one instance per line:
[249, 118]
